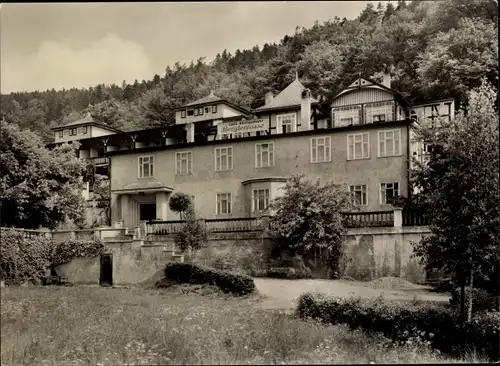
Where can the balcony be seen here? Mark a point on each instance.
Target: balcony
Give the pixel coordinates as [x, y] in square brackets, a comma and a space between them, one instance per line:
[366, 113]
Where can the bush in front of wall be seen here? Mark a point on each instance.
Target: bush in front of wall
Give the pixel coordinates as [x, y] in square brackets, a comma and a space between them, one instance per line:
[67, 250]
[195, 274]
[405, 322]
[24, 259]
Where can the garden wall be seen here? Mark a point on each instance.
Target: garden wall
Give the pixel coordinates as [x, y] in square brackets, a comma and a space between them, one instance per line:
[132, 261]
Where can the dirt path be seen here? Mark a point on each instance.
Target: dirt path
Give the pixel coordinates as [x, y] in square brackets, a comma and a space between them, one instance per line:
[281, 294]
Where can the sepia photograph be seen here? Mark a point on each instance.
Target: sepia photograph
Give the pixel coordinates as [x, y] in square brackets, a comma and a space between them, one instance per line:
[261, 182]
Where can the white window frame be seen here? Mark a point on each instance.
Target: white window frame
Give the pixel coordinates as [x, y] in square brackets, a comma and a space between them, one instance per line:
[365, 151]
[258, 155]
[189, 162]
[383, 189]
[256, 199]
[347, 115]
[140, 166]
[292, 123]
[326, 143]
[228, 150]
[218, 203]
[379, 108]
[359, 188]
[396, 143]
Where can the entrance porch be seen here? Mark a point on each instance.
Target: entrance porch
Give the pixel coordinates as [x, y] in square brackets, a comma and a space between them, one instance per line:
[140, 202]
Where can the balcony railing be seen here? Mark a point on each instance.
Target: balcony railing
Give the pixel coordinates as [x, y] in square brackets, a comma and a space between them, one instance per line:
[415, 218]
[369, 219]
[102, 160]
[234, 225]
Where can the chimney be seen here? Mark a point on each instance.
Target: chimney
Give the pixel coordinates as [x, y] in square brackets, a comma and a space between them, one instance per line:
[269, 97]
[386, 79]
[305, 108]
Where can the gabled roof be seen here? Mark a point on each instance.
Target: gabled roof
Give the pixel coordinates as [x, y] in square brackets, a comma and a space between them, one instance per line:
[211, 99]
[361, 82]
[291, 96]
[85, 121]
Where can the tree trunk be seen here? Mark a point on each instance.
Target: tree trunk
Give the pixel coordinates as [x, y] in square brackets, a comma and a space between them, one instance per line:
[471, 287]
[462, 297]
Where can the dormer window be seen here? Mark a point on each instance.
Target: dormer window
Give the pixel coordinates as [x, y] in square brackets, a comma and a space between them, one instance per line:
[183, 114]
[287, 122]
[190, 112]
[214, 109]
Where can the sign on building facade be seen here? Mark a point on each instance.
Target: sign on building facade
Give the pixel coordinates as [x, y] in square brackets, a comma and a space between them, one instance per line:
[242, 126]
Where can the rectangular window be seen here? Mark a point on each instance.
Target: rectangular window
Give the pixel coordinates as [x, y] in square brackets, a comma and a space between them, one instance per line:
[84, 130]
[379, 118]
[264, 155]
[345, 116]
[389, 143]
[196, 111]
[61, 133]
[190, 112]
[214, 109]
[66, 132]
[183, 163]
[183, 114]
[287, 122]
[358, 146]
[223, 158]
[200, 111]
[320, 149]
[74, 131]
[260, 200]
[379, 112]
[359, 194]
[146, 165]
[207, 109]
[223, 203]
[387, 191]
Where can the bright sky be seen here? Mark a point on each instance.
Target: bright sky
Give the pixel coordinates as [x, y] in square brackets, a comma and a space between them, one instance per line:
[55, 45]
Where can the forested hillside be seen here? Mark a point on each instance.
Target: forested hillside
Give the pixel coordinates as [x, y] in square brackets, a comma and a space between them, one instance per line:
[432, 49]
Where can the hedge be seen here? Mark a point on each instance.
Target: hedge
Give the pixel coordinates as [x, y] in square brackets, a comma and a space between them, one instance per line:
[28, 259]
[403, 321]
[284, 273]
[481, 299]
[192, 273]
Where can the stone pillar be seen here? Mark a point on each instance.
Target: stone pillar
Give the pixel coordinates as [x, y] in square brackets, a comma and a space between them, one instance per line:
[125, 210]
[398, 217]
[161, 206]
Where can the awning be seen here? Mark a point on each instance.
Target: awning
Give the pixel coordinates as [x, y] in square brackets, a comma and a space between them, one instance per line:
[146, 187]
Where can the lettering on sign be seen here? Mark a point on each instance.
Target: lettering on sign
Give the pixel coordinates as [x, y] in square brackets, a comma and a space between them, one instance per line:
[252, 125]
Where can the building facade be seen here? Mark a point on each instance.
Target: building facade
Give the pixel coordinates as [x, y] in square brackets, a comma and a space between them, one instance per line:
[233, 162]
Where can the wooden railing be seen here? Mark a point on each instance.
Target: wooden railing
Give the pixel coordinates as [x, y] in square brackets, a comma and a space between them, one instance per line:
[415, 218]
[101, 160]
[164, 227]
[369, 219]
[234, 225]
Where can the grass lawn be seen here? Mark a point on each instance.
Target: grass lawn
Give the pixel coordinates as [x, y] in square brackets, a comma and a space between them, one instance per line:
[93, 325]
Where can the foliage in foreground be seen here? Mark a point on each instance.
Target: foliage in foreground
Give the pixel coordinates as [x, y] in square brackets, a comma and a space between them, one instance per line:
[138, 327]
[228, 282]
[193, 235]
[39, 187]
[402, 322]
[481, 299]
[24, 259]
[308, 217]
[459, 186]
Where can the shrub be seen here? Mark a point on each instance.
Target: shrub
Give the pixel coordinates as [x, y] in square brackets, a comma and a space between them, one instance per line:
[28, 259]
[180, 202]
[403, 322]
[65, 251]
[193, 235]
[24, 259]
[195, 274]
[286, 273]
[481, 299]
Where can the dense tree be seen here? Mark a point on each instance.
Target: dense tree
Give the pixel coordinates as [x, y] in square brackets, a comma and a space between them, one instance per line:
[39, 187]
[308, 217]
[459, 185]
